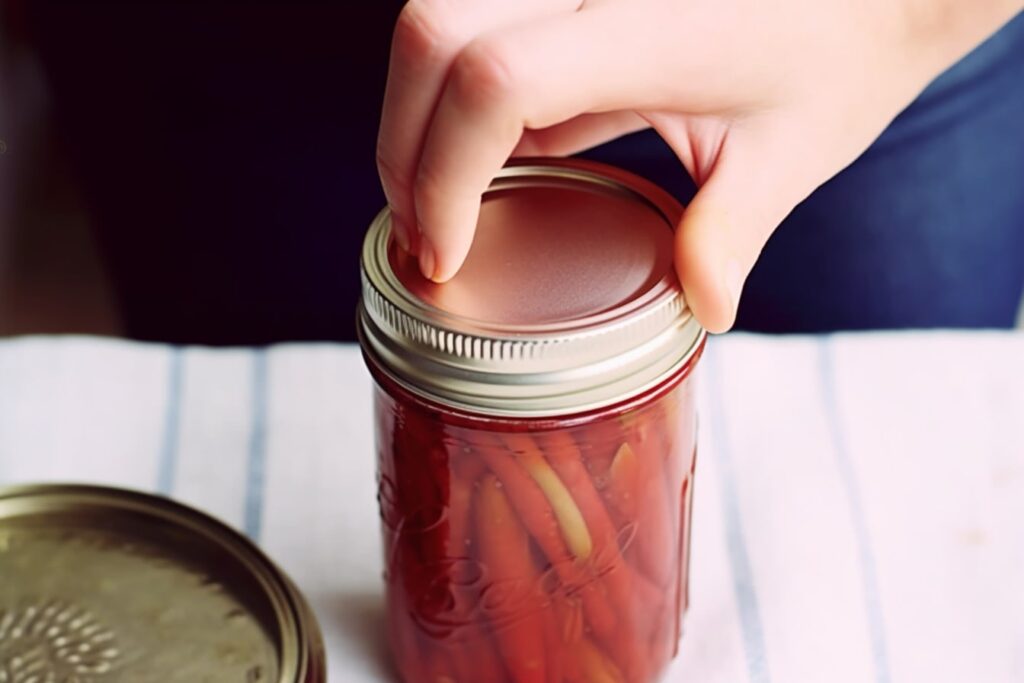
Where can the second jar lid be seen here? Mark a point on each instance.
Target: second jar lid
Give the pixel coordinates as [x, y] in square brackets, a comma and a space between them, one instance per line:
[567, 301]
[105, 585]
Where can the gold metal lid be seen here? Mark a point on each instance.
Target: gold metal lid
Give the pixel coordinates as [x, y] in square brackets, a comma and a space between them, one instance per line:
[568, 300]
[101, 585]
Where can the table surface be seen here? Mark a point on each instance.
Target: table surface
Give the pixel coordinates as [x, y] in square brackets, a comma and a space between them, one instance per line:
[859, 501]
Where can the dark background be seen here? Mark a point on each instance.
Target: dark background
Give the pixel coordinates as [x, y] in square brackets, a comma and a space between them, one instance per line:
[212, 146]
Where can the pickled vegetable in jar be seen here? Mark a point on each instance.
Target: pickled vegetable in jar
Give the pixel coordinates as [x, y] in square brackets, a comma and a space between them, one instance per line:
[536, 435]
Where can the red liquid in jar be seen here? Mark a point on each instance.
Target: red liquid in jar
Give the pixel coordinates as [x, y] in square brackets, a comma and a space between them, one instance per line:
[536, 550]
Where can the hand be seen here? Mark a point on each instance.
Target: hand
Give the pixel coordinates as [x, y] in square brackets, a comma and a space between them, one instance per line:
[761, 101]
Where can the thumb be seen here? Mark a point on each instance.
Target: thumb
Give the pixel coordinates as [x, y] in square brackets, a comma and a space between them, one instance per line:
[724, 229]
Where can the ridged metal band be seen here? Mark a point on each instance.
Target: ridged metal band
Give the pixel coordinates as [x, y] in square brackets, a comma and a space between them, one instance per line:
[522, 371]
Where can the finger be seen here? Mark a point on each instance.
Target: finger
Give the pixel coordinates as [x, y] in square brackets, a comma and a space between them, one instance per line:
[578, 134]
[427, 36]
[500, 85]
[727, 224]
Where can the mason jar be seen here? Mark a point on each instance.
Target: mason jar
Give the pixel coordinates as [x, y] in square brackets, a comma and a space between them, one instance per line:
[535, 434]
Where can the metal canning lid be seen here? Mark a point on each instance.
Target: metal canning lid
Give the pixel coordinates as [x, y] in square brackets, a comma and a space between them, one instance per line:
[101, 585]
[568, 300]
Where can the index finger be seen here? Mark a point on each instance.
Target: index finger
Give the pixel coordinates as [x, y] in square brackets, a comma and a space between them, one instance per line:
[502, 84]
[427, 37]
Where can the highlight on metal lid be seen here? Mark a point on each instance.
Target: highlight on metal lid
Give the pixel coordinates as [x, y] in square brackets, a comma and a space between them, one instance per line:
[568, 300]
[101, 584]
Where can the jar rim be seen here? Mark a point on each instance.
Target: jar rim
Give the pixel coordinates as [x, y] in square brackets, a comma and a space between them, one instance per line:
[532, 369]
[476, 418]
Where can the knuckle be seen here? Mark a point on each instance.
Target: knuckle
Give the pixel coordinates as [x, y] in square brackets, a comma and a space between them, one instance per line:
[422, 32]
[483, 75]
[538, 143]
[388, 169]
[428, 188]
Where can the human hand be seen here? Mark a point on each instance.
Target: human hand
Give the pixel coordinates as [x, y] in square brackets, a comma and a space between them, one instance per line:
[762, 102]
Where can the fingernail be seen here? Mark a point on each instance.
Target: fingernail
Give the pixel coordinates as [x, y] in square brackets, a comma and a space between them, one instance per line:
[426, 258]
[401, 232]
[734, 282]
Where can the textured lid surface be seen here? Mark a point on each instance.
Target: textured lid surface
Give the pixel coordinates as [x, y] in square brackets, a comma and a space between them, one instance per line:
[106, 586]
[567, 300]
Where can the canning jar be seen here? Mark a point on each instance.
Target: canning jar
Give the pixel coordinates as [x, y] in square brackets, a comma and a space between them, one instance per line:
[535, 432]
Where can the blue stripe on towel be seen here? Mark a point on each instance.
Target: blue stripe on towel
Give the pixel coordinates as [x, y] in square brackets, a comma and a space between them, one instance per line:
[256, 468]
[168, 459]
[743, 575]
[844, 463]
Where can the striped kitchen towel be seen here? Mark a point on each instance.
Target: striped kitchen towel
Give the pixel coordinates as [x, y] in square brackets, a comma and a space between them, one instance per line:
[859, 509]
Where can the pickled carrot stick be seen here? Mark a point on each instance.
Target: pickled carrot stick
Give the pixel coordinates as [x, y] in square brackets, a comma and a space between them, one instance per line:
[595, 667]
[487, 662]
[568, 613]
[466, 468]
[564, 457]
[459, 508]
[535, 512]
[624, 584]
[623, 482]
[529, 502]
[603, 439]
[584, 661]
[569, 616]
[438, 667]
[475, 656]
[505, 551]
[654, 543]
[630, 594]
[552, 643]
[569, 517]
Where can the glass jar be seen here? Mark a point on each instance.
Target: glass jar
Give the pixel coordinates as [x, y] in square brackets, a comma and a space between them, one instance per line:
[536, 433]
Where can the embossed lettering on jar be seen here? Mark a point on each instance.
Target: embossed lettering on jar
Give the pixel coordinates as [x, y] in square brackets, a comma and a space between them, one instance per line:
[536, 433]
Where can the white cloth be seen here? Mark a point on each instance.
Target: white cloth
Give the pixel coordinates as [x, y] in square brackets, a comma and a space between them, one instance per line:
[859, 510]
